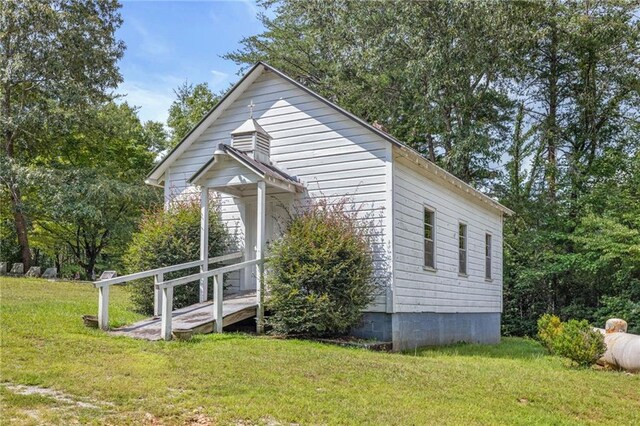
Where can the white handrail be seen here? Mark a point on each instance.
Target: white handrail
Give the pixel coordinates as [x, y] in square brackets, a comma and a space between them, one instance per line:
[158, 274]
[195, 277]
[164, 270]
[168, 286]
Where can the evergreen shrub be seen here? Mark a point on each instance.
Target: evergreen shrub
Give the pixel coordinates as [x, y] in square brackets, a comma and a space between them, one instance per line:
[170, 237]
[572, 339]
[549, 327]
[579, 342]
[320, 273]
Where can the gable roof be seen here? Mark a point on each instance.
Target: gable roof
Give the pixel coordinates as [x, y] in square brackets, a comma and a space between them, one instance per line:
[263, 170]
[155, 176]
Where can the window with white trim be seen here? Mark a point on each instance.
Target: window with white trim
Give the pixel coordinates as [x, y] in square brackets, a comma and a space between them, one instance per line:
[487, 256]
[462, 248]
[429, 237]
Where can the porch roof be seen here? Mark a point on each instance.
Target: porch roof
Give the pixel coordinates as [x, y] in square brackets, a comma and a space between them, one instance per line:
[267, 172]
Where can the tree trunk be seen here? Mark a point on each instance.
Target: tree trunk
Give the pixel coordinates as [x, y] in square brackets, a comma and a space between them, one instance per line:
[19, 217]
[58, 262]
[21, 225]
[431, 147]
[90, 267]
[552, 121]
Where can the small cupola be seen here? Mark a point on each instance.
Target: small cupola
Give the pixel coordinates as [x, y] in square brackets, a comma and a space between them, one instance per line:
[252, 139]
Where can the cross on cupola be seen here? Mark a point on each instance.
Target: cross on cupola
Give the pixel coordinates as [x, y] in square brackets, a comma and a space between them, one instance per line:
[252, 139]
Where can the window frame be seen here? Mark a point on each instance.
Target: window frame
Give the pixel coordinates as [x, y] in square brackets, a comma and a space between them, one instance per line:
[463, 240]
[428, 209]
[488, 256]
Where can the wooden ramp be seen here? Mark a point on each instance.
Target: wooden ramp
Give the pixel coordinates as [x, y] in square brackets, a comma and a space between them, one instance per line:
[198, 317]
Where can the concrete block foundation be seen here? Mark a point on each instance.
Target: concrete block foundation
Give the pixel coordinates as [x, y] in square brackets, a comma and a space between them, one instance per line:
[413, 330]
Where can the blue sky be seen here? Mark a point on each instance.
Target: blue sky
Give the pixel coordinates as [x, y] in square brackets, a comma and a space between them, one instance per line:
[169, 42]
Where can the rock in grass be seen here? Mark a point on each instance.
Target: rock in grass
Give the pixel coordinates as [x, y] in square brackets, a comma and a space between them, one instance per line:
[34, 271]
[107, 275]
[17, 269]
[50, 273]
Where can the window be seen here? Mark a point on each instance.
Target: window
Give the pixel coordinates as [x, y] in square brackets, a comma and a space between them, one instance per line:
[429, 252]
[487, 256]
[462, 248]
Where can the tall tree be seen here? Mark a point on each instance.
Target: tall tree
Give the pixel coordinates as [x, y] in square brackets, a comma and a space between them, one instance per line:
[56, 57]
[157, 135]
[429, 72]
[581, 90]
[191, 104]
[92, 194]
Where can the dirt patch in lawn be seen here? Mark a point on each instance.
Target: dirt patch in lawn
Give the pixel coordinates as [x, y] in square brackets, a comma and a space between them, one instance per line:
[54, 394]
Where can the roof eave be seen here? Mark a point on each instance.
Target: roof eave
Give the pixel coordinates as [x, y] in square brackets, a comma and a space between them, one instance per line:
[153, 182]
[156, 173]
[455, 181]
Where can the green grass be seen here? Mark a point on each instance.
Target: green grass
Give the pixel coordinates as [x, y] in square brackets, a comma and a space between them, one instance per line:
[241, 379]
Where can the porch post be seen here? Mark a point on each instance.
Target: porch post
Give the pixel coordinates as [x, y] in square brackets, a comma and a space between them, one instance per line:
[217, 303]
[157, 295]
[167, 310]
[204, 241]
[260, 242]
[103, 307]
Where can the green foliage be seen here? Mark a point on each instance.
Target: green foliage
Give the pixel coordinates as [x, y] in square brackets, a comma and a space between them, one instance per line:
[92, 211]
[435, 86]
[170, 237]
[157, 136]
[321, 272]
[573, 339]
[579, 342]
[58, 62]
[569, 262]
[9, 247]
[191, 105]
[619, 307]
[549, 328]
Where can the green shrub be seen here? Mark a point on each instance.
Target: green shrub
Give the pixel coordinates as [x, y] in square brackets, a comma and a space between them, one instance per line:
[171, 237]
[320, 273]
[549, 327]
[579, 342]
[573, 339]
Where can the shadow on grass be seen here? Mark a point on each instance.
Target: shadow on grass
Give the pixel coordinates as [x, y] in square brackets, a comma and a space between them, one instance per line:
[510, 348]
[209, 337]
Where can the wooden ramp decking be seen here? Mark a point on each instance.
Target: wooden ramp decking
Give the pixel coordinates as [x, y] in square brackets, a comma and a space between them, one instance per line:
[198, 317]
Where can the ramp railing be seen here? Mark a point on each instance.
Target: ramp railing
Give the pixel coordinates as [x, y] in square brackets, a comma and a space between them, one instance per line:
[103, 286]
[167, 293]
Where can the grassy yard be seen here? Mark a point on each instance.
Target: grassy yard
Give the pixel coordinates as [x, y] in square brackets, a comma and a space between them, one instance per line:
[91, 377]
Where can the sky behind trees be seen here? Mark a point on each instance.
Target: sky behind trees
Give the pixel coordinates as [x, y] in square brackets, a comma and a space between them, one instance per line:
[169, 42]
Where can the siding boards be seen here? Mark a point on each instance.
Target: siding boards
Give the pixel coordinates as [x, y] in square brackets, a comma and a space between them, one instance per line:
[333, 155]
[443, 290]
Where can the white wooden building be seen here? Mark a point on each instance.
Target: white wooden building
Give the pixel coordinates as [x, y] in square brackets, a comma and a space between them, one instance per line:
[443, 239]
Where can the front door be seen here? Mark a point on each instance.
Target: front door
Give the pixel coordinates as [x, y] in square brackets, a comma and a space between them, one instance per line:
[275, 213]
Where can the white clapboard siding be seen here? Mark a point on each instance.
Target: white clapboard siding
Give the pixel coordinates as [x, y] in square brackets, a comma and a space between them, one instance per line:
[443, 290]
[229, 172]
[331, 154]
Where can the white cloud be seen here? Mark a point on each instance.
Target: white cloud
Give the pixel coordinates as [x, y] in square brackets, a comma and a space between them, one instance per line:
[154, 103]
[218, 80]
[150, 44]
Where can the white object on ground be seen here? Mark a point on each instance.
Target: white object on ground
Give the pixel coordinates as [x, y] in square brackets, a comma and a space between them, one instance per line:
[623, 349]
